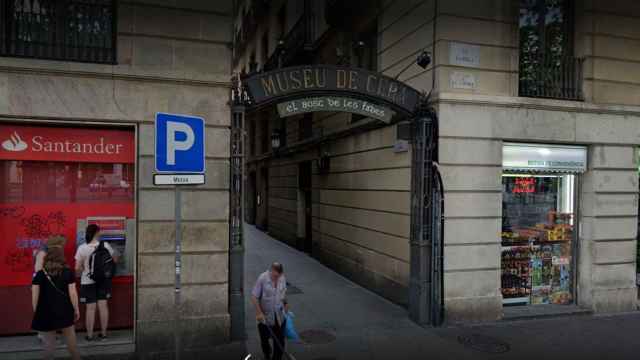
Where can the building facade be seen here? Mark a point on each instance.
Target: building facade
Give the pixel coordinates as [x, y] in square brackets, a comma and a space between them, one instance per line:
[539, 124]
[81, 83]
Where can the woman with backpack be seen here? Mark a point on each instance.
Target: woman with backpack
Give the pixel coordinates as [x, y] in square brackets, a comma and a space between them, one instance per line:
[95, 259]
[55, 300]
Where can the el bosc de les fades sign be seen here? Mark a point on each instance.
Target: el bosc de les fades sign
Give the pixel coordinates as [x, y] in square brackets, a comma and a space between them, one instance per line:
[313, 80]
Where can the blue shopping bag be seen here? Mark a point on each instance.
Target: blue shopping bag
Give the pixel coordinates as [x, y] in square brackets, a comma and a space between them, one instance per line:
[290, 330]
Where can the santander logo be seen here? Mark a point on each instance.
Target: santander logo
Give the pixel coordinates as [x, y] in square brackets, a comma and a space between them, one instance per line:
[14, 143]
[42, 143]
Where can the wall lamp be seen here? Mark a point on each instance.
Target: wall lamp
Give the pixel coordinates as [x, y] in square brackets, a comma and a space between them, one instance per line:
[423, 60]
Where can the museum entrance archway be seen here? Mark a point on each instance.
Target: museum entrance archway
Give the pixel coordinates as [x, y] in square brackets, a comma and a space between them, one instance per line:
[311, 165]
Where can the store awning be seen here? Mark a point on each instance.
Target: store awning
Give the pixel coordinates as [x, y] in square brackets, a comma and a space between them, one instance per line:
[544, 158]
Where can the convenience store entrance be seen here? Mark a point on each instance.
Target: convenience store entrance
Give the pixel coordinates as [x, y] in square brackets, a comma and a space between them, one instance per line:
[539, 219]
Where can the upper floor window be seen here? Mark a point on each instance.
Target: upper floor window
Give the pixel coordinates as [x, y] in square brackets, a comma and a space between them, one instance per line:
[366, 47]
[73, 30]
[282, 20]
[547, 65]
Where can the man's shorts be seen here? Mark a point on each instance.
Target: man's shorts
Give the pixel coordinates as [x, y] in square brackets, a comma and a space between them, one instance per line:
[90, 294]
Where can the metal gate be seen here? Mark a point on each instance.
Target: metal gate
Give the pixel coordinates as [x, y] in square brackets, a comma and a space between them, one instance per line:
[426, 288]
[239, 100]
[427, 209]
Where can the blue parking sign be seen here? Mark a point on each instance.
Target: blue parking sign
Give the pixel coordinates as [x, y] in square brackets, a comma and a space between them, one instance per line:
[179, 144]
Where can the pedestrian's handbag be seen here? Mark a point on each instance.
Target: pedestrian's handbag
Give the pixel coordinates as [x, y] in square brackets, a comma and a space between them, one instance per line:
[290, 330]
[54, 284]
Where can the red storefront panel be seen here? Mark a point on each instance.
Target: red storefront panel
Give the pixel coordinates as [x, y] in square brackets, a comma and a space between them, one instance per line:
[45, 193]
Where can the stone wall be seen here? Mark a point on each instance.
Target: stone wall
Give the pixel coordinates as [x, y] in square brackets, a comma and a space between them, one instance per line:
[608, 34]
[173, 56]
[361, 212]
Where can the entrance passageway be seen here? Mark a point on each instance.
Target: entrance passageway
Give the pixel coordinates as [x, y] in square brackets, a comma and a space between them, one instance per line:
[341, 320]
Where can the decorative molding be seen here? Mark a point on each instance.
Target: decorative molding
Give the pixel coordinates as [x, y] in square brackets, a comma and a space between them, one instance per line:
[536, 104]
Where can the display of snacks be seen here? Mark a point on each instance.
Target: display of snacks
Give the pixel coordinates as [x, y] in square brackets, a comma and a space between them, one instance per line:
[515, 277]
[537, 237]
[541, 269]
[541, 295]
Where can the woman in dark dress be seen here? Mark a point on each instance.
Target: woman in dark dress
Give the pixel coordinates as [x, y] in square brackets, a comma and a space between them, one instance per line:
[55, 301]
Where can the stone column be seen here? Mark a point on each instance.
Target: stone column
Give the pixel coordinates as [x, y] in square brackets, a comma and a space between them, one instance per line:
[608, 227]
[471, 170]
[204, 312]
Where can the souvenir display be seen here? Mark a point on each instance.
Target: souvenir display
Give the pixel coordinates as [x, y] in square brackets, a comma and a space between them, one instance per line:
[536, 239]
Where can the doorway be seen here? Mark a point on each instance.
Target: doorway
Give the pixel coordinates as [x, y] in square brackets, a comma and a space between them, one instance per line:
[252, 199]
[305, 241]
[262, 201]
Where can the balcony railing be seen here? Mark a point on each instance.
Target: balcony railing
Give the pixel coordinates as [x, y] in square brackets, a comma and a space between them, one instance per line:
[298, 40]
[257, 12]
[71, 30]
[551, 77]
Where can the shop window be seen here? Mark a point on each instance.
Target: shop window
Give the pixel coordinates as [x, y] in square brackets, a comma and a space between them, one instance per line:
[60, 30]
[537, 238]
[539, 224]
[41, 181]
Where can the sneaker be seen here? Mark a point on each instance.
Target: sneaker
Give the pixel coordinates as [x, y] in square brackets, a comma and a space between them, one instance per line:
[102, 337]
[89, 339]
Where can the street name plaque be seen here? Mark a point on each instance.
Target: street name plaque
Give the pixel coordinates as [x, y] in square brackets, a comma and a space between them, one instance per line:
[331, 103]
[178, 179]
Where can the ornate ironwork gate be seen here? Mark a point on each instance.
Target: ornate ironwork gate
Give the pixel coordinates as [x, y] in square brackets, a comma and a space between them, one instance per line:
[427, 195]
[427, 228]
[239, 99]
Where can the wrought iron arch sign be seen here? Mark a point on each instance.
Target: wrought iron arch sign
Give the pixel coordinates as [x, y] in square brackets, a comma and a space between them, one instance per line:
[331, 81]
[287, 86]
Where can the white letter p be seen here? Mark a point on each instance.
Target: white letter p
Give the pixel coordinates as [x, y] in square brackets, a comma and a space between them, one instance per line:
[173, 145]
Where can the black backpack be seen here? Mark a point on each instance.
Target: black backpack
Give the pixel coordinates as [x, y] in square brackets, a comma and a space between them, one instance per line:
[101, 265]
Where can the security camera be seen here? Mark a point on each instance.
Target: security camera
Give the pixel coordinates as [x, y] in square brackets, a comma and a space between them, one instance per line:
[424, 59]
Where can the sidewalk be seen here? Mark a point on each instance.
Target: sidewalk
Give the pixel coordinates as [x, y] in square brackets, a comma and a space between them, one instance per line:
[342, 320]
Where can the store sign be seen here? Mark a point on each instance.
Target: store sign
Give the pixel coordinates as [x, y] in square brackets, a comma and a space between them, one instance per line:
[555, 158]
[314, 79]
[342, 104]
[109, 224]
[66, 144]
[524, 185]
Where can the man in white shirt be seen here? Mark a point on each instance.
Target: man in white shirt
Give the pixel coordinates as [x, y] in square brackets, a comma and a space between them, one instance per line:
[269, 298]
[91, 292]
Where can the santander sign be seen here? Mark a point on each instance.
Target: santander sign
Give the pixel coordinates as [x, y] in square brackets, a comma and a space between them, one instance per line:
[66, 144]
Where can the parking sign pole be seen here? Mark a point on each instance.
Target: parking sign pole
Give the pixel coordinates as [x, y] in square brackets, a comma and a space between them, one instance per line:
[178, 262]
[179, 162]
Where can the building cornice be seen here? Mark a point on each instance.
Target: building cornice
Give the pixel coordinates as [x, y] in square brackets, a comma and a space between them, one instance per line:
[535, 104]
[106, 72]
